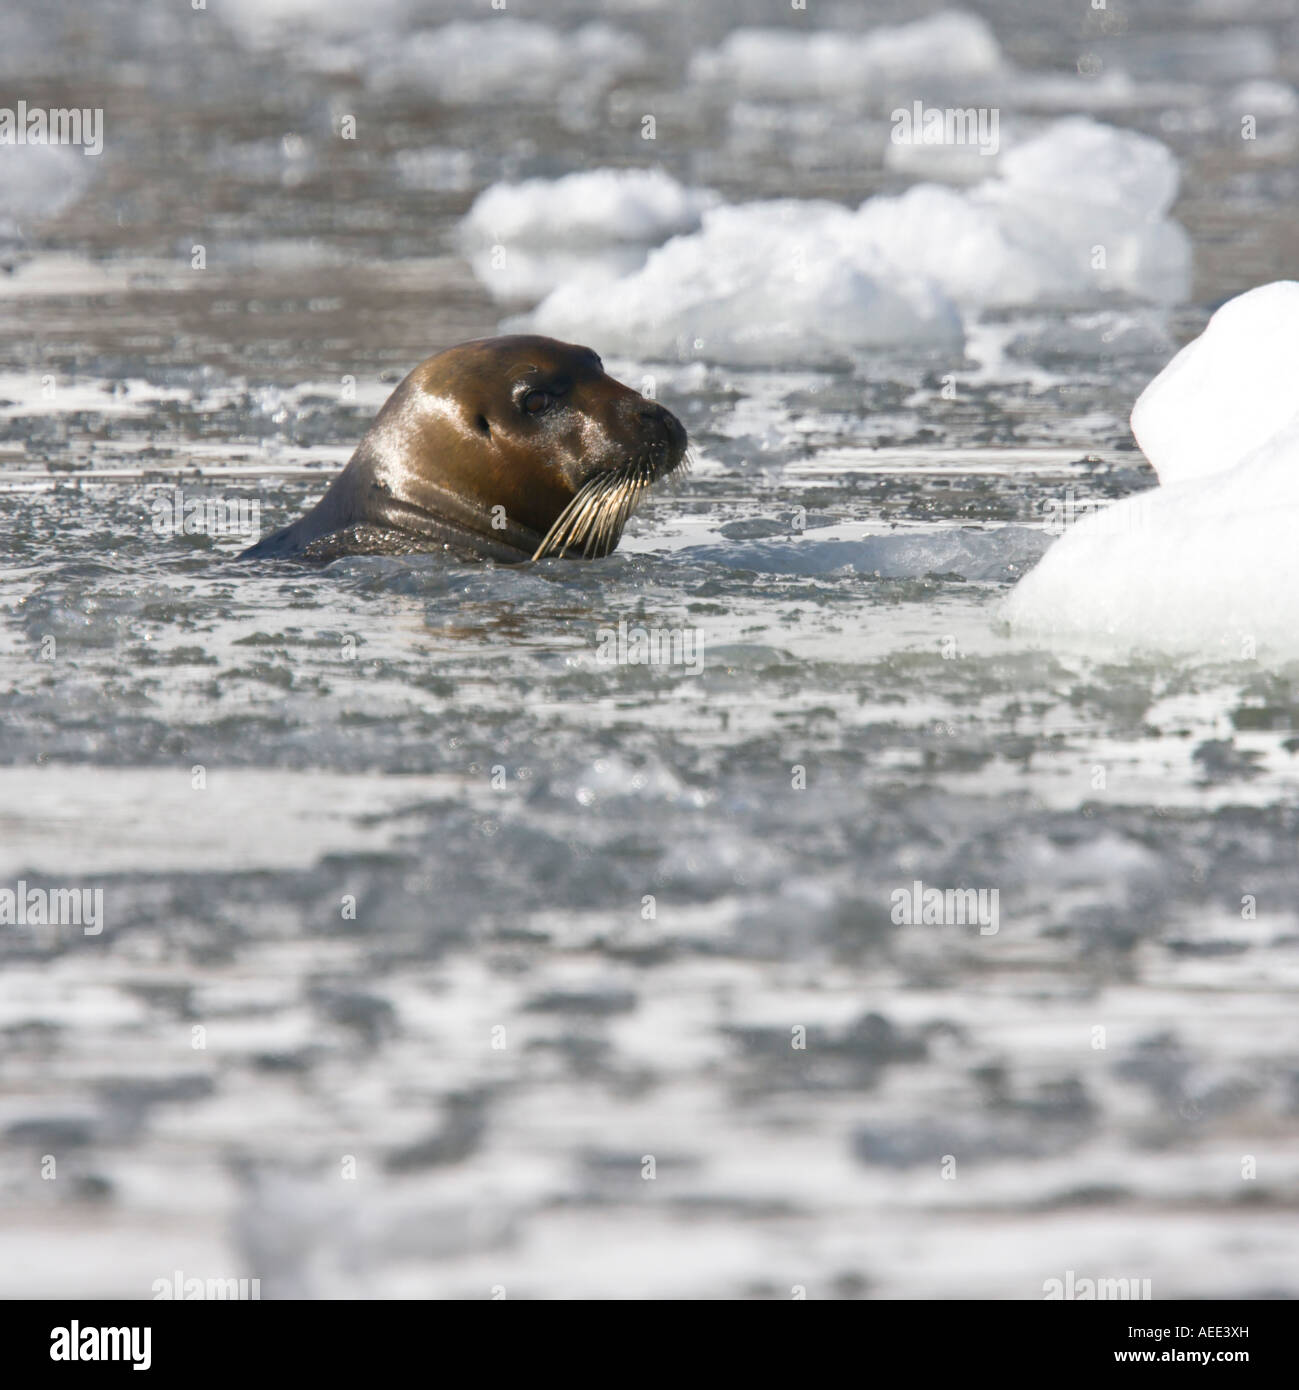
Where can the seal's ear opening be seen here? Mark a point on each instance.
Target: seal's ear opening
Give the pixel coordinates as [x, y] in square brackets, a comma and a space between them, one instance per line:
[484, 426]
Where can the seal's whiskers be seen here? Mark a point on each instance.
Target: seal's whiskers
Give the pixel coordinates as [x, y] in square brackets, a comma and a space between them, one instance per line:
[616, 507]
[594, 519]
[569, 523]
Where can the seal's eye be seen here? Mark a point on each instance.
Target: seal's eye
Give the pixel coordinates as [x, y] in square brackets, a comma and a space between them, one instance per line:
[535, 402]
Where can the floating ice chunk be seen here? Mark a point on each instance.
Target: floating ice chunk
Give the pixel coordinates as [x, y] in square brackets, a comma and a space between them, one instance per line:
[261, 23]
[524, 239]
[1078, 160]
[1208, 560]
[513, 59]
[39, 181]
[1263, 98]
[1227, 392]
[811, 282]
[976, 254]
[523, 277]
[38, 275]
[600, 205]
[1186, 567]
[1075, 213]
[1110, 90]
[776, 62]
[950, 162]
[759, 284]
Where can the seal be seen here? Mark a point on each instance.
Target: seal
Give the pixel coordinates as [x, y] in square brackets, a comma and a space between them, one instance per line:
[514, 448]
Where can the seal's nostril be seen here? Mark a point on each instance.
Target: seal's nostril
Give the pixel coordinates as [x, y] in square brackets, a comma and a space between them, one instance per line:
[660, 423]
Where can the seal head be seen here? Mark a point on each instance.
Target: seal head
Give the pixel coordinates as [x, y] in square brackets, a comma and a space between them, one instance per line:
[515, 448]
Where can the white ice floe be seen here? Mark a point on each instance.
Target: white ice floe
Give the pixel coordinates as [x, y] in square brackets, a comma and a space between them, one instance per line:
[39, 181]
[1263, 98]
[1075, 215]
[525, 238]
[598, 205]
[780, 62]
[397, 43]
[1076, 212]
[262, 23]
[1207, 561]
[1226, 393]
[760, 283]
[504, 59]
[954, 56]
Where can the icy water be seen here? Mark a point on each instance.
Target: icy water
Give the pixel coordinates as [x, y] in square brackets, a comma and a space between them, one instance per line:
[438, 955]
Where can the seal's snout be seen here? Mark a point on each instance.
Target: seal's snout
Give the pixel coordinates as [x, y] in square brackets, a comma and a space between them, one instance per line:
[591, 524]
[676, 430]
[665, 434]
